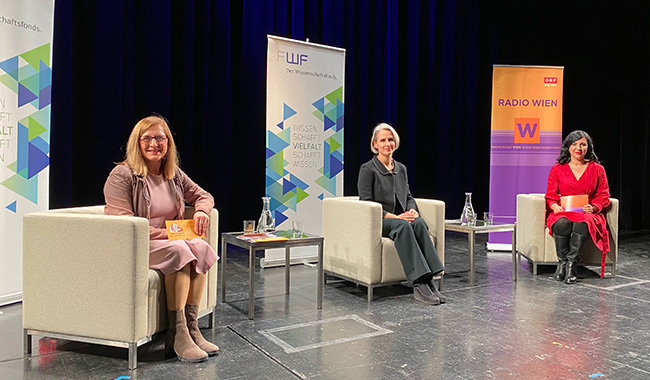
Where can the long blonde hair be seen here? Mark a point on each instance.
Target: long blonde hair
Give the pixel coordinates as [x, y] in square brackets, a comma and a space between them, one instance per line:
[134, 156]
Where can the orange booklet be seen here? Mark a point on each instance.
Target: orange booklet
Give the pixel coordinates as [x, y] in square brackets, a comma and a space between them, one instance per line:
[574, 202]
[181, 229]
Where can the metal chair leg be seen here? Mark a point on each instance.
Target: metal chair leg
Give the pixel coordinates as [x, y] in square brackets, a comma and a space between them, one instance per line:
[133, 355]
[27, 342]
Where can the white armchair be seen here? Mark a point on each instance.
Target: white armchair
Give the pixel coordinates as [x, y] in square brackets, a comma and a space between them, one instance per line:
[537, 245]
[354, 248]
[86, 278]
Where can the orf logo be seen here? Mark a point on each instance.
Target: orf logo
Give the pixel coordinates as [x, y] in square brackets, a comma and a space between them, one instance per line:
[527, 130]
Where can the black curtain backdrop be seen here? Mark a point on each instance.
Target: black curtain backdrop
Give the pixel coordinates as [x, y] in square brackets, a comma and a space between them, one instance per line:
[423, 66]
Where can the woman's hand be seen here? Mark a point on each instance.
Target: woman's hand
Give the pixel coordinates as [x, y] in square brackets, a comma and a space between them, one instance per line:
[409, 215]
[589, 209]
[201, 221]
[557, 208]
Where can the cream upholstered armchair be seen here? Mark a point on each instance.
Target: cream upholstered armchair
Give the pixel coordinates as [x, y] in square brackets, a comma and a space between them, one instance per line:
[86, 278]
[537, 245]
[354, 248]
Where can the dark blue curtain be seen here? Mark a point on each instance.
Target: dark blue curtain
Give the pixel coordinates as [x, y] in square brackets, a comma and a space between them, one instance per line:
[424, 66]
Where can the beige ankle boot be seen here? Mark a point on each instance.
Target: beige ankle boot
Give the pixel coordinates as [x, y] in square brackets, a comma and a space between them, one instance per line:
[191, 314]
[179, 339]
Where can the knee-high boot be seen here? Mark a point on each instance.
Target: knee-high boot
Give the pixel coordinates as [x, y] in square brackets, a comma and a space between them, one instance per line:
[576, 242]
[561, 249]
[179, 340]
[191, 315]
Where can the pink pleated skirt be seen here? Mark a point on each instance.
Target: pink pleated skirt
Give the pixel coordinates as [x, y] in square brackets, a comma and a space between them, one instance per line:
[170, 256]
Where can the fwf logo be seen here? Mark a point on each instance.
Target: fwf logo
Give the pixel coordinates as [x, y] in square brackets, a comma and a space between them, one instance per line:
[527, 130]
[292, 58]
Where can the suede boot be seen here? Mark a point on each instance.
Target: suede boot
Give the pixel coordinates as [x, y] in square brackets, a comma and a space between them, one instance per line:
[191, 314]
[180, 341]
[561, 249]
[436, 292]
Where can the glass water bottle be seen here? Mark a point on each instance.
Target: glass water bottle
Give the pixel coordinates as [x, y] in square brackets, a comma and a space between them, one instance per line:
[266, 222]
[468, 218]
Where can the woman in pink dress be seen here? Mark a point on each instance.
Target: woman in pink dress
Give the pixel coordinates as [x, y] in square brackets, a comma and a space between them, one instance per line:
[577, 172]
[150, 184]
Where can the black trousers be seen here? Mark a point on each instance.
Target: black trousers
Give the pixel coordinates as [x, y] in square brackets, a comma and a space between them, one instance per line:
[415, 249]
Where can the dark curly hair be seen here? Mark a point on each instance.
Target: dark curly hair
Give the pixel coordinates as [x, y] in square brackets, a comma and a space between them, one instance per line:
[574, 136]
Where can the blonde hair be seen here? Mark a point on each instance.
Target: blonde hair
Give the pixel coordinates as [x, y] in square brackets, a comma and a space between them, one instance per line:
[381, 127]
[134, 155]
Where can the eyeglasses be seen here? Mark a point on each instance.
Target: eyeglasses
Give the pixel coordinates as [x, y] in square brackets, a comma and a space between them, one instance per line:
[147, 139]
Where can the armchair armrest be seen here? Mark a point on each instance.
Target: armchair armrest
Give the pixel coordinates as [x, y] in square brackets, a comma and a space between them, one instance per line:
[352, 231]
[211, 237]
[433, 212]
[531, 223]
[86, 275]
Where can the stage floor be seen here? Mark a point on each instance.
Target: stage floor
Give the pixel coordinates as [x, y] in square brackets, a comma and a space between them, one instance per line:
[535, 328]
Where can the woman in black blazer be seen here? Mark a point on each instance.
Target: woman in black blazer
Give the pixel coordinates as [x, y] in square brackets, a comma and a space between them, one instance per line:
[385, 181]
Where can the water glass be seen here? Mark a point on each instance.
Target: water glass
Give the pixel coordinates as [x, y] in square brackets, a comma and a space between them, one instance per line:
[488, 217]
[249, 226]
[296, 228]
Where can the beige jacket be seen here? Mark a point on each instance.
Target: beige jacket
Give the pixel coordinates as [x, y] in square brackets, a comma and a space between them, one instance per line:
[126, 193]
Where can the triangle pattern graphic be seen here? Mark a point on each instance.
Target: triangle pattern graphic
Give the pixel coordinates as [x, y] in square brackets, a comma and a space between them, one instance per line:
[12, 207]
[287, 112]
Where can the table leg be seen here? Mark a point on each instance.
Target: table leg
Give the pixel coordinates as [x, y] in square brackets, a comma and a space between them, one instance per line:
[321, 278]
[470, 241]
[251, 282]
[224, 250]
[287, 266]
[515, 267]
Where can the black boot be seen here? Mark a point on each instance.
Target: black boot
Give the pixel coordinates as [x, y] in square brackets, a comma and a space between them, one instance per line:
[576, 242]
[571, 273]
[561, 249]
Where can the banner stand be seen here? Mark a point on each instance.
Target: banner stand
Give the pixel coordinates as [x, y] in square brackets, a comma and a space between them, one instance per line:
[26, 29]
[304, 136]
[526, 137]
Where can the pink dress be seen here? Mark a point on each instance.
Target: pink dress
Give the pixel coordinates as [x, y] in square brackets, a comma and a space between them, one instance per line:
[170, 256]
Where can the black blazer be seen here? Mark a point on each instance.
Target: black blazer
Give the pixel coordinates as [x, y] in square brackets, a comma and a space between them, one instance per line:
[378, 184]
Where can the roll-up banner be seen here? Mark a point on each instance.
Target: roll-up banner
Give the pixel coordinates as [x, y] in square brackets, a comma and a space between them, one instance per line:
[25, 91]
[304, 135]
[526, 137]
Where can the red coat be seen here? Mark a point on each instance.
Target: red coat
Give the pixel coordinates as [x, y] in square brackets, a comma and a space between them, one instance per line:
[593, 182]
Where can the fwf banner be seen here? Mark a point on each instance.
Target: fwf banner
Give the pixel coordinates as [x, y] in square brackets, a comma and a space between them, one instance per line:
[526, 137]
[25, 88]
[304, 134]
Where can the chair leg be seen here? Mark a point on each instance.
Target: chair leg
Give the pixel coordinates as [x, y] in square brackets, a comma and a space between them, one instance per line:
[27, 342]
[440, 282]
[370, 293]
[613, 270]
[211, 319]
[534, 269]
[133, 355]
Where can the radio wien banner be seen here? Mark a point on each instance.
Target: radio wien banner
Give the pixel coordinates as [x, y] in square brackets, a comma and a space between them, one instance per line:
[304, 135]
[526, 138]
[25, 90]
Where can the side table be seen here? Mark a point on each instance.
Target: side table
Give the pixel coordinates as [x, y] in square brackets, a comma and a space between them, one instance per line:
[482, 228]
[252, 246]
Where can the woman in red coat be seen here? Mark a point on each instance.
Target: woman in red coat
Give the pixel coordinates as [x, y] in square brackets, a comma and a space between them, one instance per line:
[577, 172]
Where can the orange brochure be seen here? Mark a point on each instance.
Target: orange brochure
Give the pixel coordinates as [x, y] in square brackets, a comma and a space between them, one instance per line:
[574, 202]
[181, 229]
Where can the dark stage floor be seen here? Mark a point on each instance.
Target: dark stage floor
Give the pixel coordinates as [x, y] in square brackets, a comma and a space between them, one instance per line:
[535, 328]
